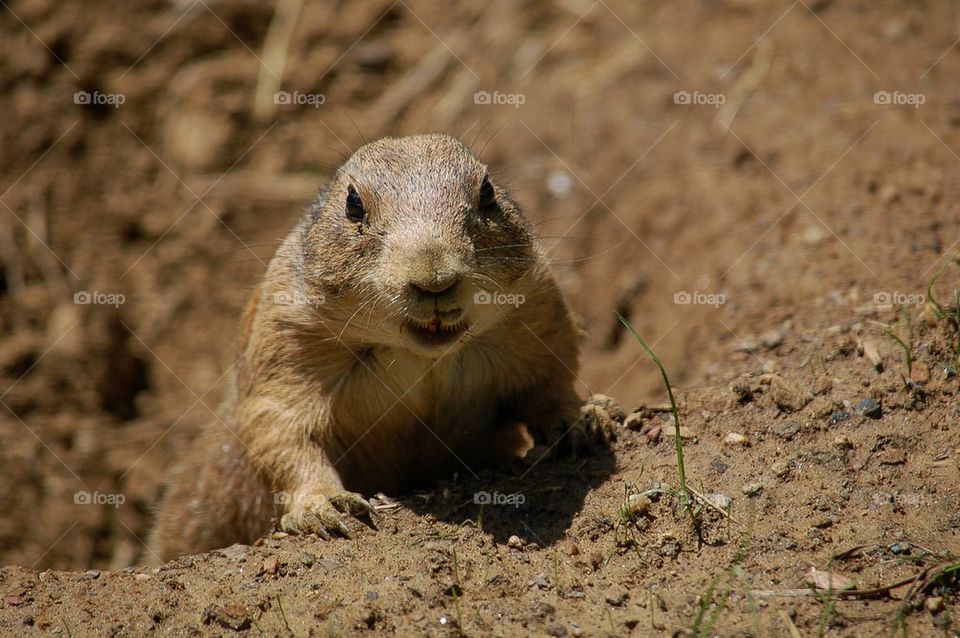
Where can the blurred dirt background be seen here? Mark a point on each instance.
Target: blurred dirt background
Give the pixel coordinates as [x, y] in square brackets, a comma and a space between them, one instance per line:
[754, 184]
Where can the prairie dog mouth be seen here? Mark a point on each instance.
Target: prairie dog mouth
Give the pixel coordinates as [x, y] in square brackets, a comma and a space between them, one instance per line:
[434, 332]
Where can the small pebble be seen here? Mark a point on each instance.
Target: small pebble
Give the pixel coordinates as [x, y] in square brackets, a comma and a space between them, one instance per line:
[934, 604]
[718, 466]
[329, 564]
[839, 417]
[617, 597]
[720, 501]
[653, 434]
[736, 439]
[514, 542]
[892, 456]
[786, 430]
[781, 469]
[872, 354]
[91, 574]
[634, 421]
[751, 489]
[870, 408]
[920, 373]
[270, 565]
[843, 442]
[685, 432]
[540, 581]
[558, 631]
[772, 338]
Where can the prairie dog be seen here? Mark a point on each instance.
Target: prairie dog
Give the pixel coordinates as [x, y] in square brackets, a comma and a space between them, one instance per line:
[404, 329]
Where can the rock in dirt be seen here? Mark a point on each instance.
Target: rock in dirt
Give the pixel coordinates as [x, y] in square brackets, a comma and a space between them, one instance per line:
[653, 433]
[751, 489]
[720, 501]
[773, 338]
[634, 421]
[920, 373]
[892, 456]
[735, 439]
[869, 407]
[233, 616]
[685, 432]
[787, 395]
[270, 565]
[617, 597]
[870, 351]
[934, 604]
[780, 469]
[839, 417]
[786, 430]
[822, 579]
[514, 542]
[843, 442]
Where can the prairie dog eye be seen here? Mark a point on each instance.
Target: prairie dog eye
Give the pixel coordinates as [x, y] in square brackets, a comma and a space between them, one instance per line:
[354, 207]
[487, 202]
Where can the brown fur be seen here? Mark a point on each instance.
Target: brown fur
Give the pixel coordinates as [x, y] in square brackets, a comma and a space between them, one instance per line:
[335, 395]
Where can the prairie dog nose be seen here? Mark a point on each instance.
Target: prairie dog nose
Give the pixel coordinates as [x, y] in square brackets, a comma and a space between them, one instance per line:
[442, 285]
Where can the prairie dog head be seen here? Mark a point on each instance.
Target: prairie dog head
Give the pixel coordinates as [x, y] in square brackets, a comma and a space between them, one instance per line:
[415, 245]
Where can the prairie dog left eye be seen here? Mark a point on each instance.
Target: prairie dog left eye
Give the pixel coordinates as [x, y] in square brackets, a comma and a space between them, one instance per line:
[354, 205]
[487, 202]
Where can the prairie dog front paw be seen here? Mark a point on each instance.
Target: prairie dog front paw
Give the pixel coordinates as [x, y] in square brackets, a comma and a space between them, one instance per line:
[323, 515]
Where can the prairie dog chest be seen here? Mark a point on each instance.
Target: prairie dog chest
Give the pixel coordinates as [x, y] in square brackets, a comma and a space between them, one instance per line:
[391, 390]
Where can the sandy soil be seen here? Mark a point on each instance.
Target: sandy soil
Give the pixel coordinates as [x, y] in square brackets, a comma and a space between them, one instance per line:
[756, 185]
